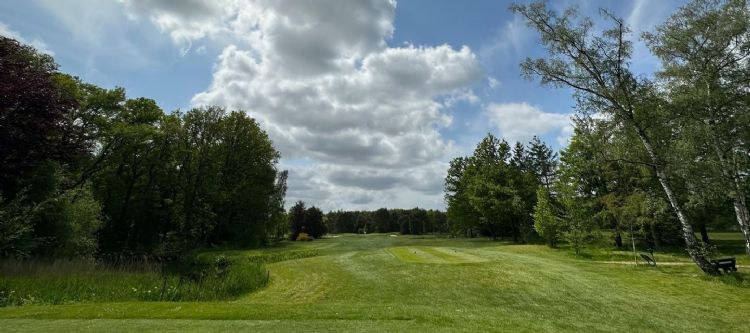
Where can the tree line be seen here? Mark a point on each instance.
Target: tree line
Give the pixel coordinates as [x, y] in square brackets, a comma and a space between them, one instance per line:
[86, 170]
[415, 221]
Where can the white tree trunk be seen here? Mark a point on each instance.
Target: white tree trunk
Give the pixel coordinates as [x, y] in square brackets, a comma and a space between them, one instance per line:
[688, 234]
[729, 171]
[737, 195]
[743, 217]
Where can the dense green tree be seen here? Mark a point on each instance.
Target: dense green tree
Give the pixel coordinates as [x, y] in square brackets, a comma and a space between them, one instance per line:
[87, 170]
[382, 220]
[521, 158]
[308, 220]
[595, 65]
[35, 116]
[542, 161]
[16, 228]
[462, 217]
[297, 220]
[314, 222]
[277, 215]
[704, 49]
[41, 146]
[489, 192]
[578, 227]
[546, 222]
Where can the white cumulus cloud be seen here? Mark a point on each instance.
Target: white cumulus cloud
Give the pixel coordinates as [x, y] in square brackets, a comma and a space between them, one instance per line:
[324, 83]
[521, 121]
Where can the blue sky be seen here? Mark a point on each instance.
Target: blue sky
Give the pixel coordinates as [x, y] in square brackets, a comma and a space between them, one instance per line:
[367, 100]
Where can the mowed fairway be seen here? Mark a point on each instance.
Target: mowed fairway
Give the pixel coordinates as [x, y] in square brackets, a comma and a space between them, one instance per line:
[382, 283]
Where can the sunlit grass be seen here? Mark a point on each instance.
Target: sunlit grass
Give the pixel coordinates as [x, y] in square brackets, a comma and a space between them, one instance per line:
[361, 283]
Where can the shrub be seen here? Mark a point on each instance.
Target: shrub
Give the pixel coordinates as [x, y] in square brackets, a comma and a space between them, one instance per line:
[303, 236]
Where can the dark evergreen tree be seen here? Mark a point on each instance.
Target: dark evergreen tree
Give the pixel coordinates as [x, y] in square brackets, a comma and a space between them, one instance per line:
[314, 222]
[297, 220]
[542, 161]
[520, 158]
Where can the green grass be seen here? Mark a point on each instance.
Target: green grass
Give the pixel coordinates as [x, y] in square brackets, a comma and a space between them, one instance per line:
[377, 283]
[69, 282]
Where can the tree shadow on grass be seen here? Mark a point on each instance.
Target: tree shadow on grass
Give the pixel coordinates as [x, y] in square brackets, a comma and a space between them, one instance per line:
[735, 279]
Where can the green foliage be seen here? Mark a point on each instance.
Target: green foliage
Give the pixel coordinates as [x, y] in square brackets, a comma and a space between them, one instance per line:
[278, 224]
[113, 174]
[296, 220]
[305, 220]
[542, 161]
[16, 229]
[489, 191]
[595, 63]
[179, 179]
[704, 48]
[77, 215]
[546, 222]
[314, 222]
[36, 123]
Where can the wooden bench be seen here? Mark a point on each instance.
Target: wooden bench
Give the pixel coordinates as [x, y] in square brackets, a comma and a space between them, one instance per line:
[649, 259]
[728, 265]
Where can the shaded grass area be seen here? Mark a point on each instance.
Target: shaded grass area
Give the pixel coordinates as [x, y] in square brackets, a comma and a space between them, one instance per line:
[724, 244]
[360, 283]
[66, 282]
[272, 255]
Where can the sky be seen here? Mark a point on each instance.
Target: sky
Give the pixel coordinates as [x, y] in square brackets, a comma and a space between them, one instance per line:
[366, 100]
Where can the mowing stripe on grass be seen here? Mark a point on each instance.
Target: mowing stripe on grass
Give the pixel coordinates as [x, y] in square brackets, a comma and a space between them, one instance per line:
[433, 255]
[455, 255]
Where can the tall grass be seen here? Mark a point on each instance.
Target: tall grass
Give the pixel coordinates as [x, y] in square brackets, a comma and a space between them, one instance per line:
[72, 281]
[272, 257]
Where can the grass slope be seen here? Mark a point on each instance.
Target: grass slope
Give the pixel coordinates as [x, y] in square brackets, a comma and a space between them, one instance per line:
[377, 283]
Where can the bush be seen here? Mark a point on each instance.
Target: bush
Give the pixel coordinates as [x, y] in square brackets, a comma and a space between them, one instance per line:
[46, 220]
[79, 214]
[303, 236]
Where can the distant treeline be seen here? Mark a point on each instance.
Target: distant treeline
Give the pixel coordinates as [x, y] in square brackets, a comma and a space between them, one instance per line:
[415, 221]
[85, 170]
